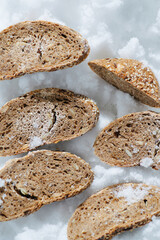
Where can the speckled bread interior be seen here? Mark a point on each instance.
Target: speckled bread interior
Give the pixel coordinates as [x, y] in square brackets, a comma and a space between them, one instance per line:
[35, 46]
[130, 76]
[44, 116]
[40, 178]
[113, 210]
[130, 140]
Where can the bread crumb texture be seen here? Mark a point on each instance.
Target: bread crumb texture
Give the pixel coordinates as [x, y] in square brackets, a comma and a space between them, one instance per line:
[113, 210]
[41, 177]
[34, 46]
[42, 117]
[130, 76]
[131, 140]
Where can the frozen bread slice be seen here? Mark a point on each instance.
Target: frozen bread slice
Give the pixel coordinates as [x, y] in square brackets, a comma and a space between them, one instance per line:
[113, 210]
[38, 46]
[131, 140]
[130, 76]
[40, 178]
[44, 116]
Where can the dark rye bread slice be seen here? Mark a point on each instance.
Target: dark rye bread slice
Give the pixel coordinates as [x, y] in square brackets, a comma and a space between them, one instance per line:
[131, 140]
[38, 46]
[130, 76]
[44, 116]
[113, 210]
[40, 178]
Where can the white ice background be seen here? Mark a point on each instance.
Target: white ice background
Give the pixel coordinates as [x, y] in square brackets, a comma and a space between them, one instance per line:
[114, 28]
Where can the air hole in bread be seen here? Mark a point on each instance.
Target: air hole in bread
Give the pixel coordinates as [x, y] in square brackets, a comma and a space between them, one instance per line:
[117, 133]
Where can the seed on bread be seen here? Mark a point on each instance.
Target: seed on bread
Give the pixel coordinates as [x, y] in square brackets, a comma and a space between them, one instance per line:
[113, 210]
[40, 178]
[130, 76]
[44, 116]
[131, 140]
[38, 46]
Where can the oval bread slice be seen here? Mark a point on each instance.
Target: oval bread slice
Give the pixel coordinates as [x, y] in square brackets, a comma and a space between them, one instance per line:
[113, 210]
[41, 177]
[131, 140]
[130, 76]
[38, 46]
[44, 116]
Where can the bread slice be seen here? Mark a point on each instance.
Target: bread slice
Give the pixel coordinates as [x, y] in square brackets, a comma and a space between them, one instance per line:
[131, 140]
[113, 210]
[130, 76]
[38, 46]
[44, 116]
[41, 177]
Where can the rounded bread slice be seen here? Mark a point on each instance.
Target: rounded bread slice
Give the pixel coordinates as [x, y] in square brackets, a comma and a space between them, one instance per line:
[130, 76]
[38, 46]
[113, 210]
[39, 178]
[131, 140]
[44, 116]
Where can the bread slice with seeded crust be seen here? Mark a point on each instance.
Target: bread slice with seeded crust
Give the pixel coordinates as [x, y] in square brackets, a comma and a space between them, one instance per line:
[130, 76]
[113, 210]
[38, 46]
[44, 116]
[131, 140]
[41, 177]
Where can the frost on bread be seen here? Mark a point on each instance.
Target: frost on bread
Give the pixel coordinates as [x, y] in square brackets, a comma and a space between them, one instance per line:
[114, 210]
[146, 162]
[44, 116]
[130, 76]
[131, 140]
[35, 142]
[40, 178]
[130, 194]
[29, 47]
[2, 182]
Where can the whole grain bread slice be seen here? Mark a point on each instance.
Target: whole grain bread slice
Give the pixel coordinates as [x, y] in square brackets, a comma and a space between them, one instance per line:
[131, 140]
[44, 116]
[130, 76]
[38, 46]
[113, 210]
[41, 177]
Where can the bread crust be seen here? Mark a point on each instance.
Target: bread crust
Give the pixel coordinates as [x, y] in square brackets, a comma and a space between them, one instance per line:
[44, 116]
[130, 140]
[131, 76]
[113, 210]
[39, 46]
[40, 178]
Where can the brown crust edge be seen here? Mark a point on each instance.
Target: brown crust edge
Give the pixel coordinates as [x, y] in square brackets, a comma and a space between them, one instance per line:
[51, 68]
[117, 230]
[68, 92]
[40, 204]
[110, 125]
[141, 95]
